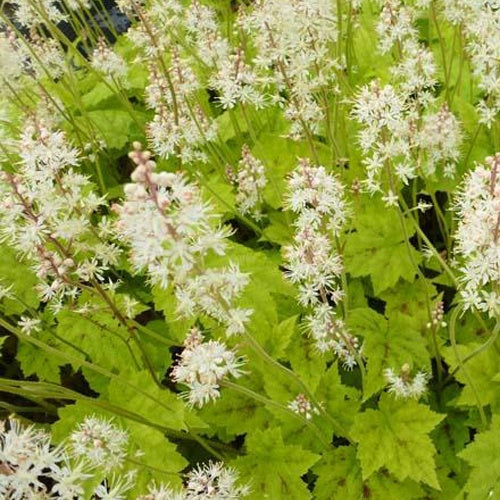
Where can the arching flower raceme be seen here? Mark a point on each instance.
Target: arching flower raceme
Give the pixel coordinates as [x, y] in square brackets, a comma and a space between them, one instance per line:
[171, 230]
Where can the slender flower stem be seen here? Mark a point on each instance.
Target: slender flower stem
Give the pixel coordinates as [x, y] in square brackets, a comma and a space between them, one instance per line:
[453, 321]
[269, 359]
[269, 402]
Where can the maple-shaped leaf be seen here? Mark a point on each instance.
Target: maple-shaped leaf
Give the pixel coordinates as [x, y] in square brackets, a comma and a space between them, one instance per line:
[339, 476]
[481, 371]
[483, 455]
[410, 299]
[236, 414]
[339, 400]
[34, 360]
[378, 249]
[275, 469]
[387, 344]
[144, 398]
[396, 437]
[17, 274]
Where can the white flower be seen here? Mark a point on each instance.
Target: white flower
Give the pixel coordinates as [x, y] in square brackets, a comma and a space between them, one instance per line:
[107, 61]
[29, 325]
[395, 24]
[25, 456]
[170, 230]
[202, 365]
[403, 385]
[101, 442]
[293, 40]
[213, 480]
[69, 479]
[117, 487]
[250, 181]
[477, 237]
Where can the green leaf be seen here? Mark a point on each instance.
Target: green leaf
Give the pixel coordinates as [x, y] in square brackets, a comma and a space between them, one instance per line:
[378, 249]
[279, 229]
[340, 401]
[396, 437]
[235, 414]
[387, 344]
[339, 476]
[15, 273]
[113, 125]
[481, 371]
[450, 438]
[35, 361]
[102, 339]
[306, 361]
[99, 97]
[483, 454]
[220, 194]
[410, 299]
[275, 468]
[281, 336]
[161, 407]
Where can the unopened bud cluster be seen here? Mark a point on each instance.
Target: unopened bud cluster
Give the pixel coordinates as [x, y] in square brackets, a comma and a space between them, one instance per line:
[303, 407]
[437, 316]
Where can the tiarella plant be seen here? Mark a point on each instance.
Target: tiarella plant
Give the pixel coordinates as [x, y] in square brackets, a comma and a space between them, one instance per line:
[249, 249]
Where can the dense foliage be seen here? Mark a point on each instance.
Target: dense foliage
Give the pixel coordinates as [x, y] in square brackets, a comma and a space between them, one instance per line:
[250, 249]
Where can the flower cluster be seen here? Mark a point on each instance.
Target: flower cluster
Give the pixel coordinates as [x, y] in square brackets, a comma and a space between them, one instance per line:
[31, 467]
[294, 42]
[395, 24]
[202, 366]
[25, 455]
[394, 133]
[405, 131]
[171, 230]
[403, 385]
[212, 480]
[179, 127]
[479, 22]
[250, 180]
[312, 261]
[46, 215]
[101, 442]
[478, 237]
[107, 61]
